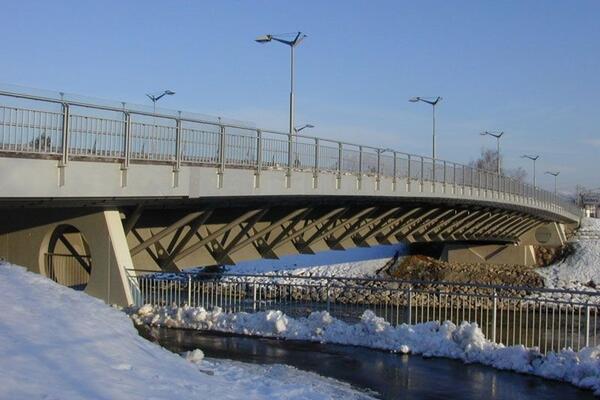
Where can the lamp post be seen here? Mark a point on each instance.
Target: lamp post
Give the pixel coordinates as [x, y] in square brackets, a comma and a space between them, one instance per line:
[155, 98]
[497, 135]
[534, 159]
[296, 131]
[555, 175]
[433, 103]
[292, 43]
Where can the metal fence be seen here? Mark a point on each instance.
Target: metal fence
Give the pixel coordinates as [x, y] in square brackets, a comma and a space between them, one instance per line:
[46, 126]
[534, 317]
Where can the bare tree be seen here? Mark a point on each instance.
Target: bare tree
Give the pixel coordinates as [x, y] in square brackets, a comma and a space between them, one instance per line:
[488, 161]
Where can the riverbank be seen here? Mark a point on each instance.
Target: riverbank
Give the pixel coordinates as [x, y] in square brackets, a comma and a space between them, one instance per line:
[58, 343]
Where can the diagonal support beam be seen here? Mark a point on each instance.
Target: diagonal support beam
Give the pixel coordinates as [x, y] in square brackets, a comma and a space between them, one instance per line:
[196, 246]
[268, 229]
[428, 225]
[148, 249]
[360, 225]
[399, 222]
[341, 226]
[457, 224]
[479, 230]
[493, 229]
[76, 254]
[244, 231]
[155, 238]
[412, 224]
[133, 219]
[462, 229]
[332, 214]
[375, 225]
[268, 245]
[323, 230]
[436, 230]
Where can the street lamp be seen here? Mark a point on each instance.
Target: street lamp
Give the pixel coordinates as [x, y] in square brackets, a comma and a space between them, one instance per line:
[292, 43]
[433, 102]
[497, 135]
[155, 97]
[296, 130]
[534, 159]
[306, 126]
[555, 175]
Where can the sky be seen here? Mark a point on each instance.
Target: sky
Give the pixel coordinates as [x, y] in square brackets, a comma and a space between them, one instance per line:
[529, 68]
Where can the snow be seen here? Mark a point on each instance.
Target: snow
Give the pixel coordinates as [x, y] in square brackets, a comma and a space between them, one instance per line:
[582, 266]
[465, 342]
[355, 262]
[56, 343]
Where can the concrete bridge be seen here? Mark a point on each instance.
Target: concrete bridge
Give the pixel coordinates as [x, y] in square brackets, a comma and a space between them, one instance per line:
[93, 191]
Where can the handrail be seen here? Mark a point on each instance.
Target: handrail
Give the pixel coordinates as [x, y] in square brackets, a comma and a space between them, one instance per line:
[491, 180]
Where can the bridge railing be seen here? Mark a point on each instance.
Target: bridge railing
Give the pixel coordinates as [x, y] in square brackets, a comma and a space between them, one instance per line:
[550, 319]
[65, 129]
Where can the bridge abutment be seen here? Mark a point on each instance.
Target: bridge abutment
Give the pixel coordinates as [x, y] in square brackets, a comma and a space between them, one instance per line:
[106, 261]
[490, 254]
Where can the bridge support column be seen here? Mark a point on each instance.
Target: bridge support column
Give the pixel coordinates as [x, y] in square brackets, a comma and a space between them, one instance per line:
[105, 241]
[490, 254]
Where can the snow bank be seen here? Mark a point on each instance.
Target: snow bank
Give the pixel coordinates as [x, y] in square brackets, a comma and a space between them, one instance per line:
[581, 267]
[465, 342]
[56, 343]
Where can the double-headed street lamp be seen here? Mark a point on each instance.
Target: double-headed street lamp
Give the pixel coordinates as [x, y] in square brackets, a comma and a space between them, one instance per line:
[292, 43]
[433, 102]
[497, 135]
[555, 175]
[157, 97]
[534, 159]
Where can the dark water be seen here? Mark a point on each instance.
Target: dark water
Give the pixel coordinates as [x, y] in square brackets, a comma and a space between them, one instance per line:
[391, 376]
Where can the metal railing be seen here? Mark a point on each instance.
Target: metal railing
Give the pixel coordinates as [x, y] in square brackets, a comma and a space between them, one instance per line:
[66, 270]
[49, 126]
[550, 319]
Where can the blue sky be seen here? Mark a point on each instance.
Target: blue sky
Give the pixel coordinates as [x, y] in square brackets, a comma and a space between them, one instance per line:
[530, 68]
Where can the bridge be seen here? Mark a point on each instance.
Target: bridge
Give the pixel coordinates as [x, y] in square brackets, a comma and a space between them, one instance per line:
[92, 191]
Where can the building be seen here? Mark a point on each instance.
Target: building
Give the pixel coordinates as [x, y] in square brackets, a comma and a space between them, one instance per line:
[590, 202]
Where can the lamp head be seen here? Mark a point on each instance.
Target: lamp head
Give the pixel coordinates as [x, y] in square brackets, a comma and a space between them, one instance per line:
[264, 39]
[414, 99]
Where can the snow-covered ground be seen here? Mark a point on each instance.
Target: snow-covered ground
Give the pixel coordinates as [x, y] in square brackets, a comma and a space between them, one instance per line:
[56, 343]
[355, 262]
[465, 342]
[580, 268]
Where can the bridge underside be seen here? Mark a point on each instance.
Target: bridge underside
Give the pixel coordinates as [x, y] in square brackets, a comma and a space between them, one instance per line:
[118, 239]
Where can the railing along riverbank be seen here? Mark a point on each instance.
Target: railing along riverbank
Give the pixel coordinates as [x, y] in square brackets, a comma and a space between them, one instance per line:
[66, 127]
[550, 319]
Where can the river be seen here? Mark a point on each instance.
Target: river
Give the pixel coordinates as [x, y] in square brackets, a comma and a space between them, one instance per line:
[391, 376]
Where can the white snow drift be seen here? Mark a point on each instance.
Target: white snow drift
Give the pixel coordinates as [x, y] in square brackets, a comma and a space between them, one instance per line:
[465, 342]
[56, 343]
[581, 267]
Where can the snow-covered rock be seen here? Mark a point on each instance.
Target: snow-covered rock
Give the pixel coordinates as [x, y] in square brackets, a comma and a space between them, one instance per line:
[582, 266]
[465, 342]
[56, 343]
